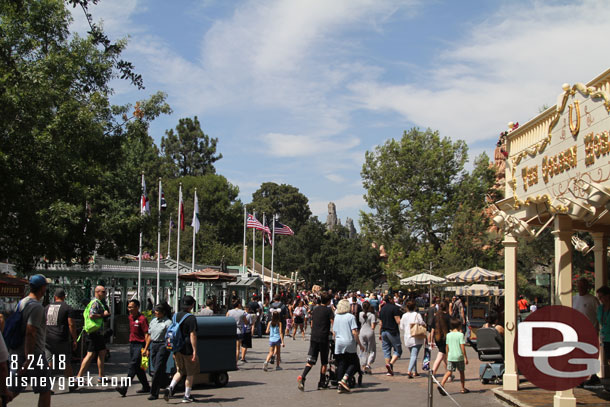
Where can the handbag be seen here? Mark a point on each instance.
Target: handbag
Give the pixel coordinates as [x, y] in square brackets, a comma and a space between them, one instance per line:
[418, 331]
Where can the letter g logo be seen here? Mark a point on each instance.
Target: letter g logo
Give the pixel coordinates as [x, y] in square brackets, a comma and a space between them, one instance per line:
[553, 345]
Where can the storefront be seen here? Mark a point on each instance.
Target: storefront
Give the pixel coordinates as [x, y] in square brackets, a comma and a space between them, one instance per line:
[557, 176]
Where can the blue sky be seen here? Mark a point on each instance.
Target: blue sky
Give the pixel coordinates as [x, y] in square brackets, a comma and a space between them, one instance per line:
[297, 91]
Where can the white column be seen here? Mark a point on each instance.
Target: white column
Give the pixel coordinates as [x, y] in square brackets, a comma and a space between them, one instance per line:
[510, 380]
[601, 279]
[563, 291]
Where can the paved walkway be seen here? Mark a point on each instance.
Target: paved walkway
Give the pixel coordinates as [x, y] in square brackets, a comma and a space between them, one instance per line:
[252, 386]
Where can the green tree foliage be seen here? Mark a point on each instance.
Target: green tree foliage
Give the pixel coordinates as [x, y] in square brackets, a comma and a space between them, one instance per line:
[428, 209]
[60, 140]
[284, 200]
[188, 150]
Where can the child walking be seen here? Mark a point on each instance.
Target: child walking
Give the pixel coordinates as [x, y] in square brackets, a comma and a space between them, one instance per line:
[276, 338]
[456, 355]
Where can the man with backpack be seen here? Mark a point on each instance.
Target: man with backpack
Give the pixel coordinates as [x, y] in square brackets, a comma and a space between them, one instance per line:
[96, 342]
[25, 334]
[457, 312]
[182, 339]
[61, 332]
[355, 309]
[138, 329]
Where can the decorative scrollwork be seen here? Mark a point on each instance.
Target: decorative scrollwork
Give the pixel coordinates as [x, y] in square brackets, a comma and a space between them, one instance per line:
[574, 128]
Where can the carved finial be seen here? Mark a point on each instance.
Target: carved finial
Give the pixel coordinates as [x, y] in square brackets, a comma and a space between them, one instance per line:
[565, 87]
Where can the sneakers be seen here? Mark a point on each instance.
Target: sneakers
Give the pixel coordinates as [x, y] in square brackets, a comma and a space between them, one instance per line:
[122, 390]
[169, 392]
[153, 397]
[278, 368]
[343, 386]
[322, 385]
[442, 391]
[188, 399]
[301, 383]
[359, 379]
[390, 369]
[266, 366]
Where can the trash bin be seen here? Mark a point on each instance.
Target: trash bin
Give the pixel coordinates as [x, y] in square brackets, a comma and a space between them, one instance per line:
[216, 336]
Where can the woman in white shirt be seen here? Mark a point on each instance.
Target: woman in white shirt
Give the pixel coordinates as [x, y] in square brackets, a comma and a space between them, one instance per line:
[413, 343]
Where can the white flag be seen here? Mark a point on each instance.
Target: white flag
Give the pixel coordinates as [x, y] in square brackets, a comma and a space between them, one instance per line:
[195, 224]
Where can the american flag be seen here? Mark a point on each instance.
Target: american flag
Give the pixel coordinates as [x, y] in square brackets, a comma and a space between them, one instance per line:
[267, 232]
[252, 222]
[281, 229]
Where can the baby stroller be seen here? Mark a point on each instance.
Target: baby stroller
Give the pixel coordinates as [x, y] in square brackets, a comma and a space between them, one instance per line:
[490, 347]
[331, 372]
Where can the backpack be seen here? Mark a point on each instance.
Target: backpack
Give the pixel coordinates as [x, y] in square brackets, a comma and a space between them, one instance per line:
[456, 311]
[13, 333]
[354, 309]
[91, 325]
[174, 340]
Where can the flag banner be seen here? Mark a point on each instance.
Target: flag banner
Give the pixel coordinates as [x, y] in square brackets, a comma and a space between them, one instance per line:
[253, 223]
[266, 229]
[144, 203]
[281, 229]
[195, 223]
[163, 202]
[267, 233]
[181, 216]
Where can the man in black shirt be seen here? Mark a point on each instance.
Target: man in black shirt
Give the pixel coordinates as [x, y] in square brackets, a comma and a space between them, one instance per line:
[389, 318]
[322, 318]
[256, 309]
[187, 362]
[61, 333]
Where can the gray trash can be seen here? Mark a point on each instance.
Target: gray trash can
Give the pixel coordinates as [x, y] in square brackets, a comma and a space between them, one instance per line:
[216, 336]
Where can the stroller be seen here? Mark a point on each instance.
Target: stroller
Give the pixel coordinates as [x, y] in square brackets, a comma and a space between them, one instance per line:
[490, 347]
[331, 372]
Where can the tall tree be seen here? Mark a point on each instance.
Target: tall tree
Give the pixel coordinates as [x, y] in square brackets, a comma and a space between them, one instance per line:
[60, 140]
[188, 150]
[284, 200]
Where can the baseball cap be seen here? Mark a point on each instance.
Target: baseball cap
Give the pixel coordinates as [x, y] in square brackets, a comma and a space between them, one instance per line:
[37, 281]
[60, 293]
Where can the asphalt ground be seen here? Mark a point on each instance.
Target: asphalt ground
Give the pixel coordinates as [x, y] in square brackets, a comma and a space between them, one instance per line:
[251, 386]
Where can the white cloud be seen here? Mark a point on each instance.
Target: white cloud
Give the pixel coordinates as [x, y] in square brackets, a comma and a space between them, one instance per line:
[115, 16]
[290, 145]
[336, 178]
[507, 68]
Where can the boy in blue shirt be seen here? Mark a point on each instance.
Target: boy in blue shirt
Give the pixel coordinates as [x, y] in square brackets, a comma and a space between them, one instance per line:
[456, 355]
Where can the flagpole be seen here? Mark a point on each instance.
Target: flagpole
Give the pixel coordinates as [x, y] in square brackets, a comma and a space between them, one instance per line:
[245, 268]
[254, 247]
[194, 231]
[159, 244]
[142, 206]
[169, 235]
[178, 246]
[263, 255]
[272, 251]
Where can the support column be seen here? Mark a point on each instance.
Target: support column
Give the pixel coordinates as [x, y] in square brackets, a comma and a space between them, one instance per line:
[510, 379]
[563, 292]
[601, 279]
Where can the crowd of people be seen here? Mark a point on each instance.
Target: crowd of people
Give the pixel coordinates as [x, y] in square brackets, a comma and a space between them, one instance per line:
[344, 328]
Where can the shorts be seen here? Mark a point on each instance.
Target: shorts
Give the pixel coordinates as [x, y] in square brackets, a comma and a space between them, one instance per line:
[276, 343]
[246, 342]
[185, 365]
[390, 342]
[318, 348]
[96, 342]
[38, 368]
[453, 366]
[54, 351]
[442, 346]
[240, 337]
[298, 320]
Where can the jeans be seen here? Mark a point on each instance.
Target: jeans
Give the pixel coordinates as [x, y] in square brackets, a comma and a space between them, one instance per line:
[390, 341]
[413, 361]
[158, 358]
[135, 360]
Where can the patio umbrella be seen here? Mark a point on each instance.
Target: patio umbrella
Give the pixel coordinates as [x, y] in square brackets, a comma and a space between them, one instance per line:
[475, 275]
[480, 290]
[423, 279]
[208, 275]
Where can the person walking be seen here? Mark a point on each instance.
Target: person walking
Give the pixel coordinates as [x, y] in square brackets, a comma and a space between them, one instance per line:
[138, 331]
[368, 322]
[456, 356]
[603, 318]
[299, 313]
[187, 361]
[96, 342]
[32, 363]
[61, 334]
[322, 317]
[248, 331]
[347, 343]
[438, 334]
[256, 308]
[276, 340]
[410, 319]
[389, 318]
[208, 310]
[157, 349]
[239, 315]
